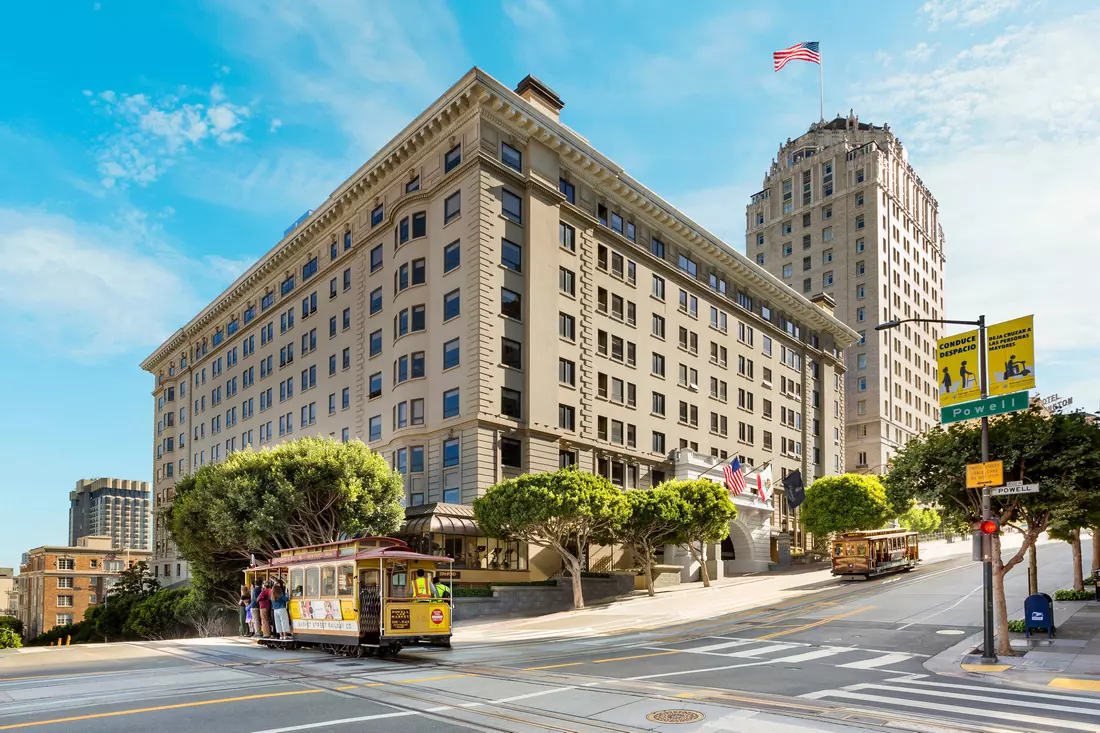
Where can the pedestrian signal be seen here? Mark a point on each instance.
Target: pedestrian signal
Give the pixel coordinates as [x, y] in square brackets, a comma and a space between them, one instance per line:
[989, 526]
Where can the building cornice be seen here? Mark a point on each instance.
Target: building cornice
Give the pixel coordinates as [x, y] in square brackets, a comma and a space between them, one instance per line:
[478, 88]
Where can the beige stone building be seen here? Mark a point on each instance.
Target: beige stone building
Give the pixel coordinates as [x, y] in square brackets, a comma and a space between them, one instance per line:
[117, 508]
[490, 295]
[9, 599]
[57, 584]
[843, 212]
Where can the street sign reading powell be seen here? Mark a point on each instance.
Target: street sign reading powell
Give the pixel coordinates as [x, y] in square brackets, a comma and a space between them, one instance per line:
[984, 408]
[1017, 489]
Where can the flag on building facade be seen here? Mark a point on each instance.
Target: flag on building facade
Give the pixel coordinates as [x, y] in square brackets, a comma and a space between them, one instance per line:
[796, 492]
[764, 483]
[805, 51]
[735, 480]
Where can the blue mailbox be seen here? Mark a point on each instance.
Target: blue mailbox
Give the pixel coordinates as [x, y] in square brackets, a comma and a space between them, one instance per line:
[1039, 614]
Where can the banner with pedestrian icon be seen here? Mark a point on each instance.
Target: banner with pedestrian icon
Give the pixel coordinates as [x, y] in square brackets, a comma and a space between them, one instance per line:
[1010, 356]
[957, 365]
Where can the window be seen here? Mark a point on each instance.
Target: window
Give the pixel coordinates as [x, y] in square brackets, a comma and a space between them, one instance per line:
[511, 206]
[859, 222]
[760, 259]
[450, 403]
[511, 255]
[567, 236]
[375, 386]
[376, 300]
[374, 428]
[403, 231]
[658, 287]
[658, 366]
[65, 619]
[861, 314]
[658, 406]
[657, 248]
[511, 157]
[511, 453]
[861, 361]
[861, 291]
[511, 353]
[827, 279]
[376, 215]
[827, 213]
[511, 305]
[658, 326]
[568, 190]
[376, 343]
[450, 354]
[452, 305]
[376, 259]
[567, 372]
[567, 326]
[309, 269]
[827, 234]
[413, 185]
[452, 158]
[859, 199]
[347, 358]
[567, 282]
[807, 263]
[511, 402]
[861, 268]
[788, 270]
[688, 265]
[347, 318]
[567, 417]
[452, 207]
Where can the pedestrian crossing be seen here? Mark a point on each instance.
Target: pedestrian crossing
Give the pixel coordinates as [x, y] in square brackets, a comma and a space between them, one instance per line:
[790, 652]
[1000, 706]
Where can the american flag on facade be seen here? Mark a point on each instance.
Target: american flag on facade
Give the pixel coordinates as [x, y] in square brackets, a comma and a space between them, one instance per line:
[735, 480]
[805, 51]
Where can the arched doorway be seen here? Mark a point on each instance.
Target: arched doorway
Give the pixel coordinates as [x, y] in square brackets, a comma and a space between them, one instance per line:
[739, 551]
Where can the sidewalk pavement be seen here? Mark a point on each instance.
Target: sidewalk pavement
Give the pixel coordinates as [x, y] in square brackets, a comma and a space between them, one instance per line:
[681, 603]
[1071, 660]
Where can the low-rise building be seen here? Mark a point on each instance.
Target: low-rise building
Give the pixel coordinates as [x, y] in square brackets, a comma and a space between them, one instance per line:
[57, 584]
[7, 592]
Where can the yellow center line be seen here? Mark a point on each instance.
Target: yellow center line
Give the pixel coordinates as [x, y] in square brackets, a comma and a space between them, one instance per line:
[346, 687]
[432, 679]
[552, 666]
[177, 706]
[815, 623]
[636, 656]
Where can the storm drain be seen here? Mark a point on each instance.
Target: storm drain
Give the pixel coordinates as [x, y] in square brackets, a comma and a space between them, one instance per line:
[675, 716]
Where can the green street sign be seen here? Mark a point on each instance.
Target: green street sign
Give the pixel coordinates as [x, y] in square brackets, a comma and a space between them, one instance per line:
[984, 408]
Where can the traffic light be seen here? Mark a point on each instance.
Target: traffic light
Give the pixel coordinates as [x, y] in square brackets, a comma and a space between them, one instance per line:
[989, 526]
[983, 539]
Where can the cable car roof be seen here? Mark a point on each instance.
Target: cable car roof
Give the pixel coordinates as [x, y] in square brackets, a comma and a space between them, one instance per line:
[372, 553]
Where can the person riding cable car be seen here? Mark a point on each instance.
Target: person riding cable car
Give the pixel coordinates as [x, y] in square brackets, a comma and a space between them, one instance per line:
[422, 588]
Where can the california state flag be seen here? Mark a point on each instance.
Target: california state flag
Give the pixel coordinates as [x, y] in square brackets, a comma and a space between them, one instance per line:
[764, 483]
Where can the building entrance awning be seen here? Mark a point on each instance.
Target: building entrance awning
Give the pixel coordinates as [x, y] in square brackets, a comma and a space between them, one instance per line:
[439, 518]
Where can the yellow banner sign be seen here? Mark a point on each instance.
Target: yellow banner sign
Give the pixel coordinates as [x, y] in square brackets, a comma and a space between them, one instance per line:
[957, 360]
[1010, 356]
[984, 474]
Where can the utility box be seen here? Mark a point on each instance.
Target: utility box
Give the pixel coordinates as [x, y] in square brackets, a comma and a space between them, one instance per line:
[1039, 614]
[981, 546]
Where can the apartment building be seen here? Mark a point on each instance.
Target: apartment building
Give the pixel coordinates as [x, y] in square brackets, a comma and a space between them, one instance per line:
[843, 212]
[489, 295]
[109, 507]
[57, 584]
[8, 597]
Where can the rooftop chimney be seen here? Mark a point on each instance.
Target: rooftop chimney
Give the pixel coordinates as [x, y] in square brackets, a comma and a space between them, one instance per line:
[541, 96]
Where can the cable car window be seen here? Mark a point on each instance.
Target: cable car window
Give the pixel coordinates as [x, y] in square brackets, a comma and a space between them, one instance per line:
[296, 582]
[328, 581]
[345, 580]
[296, 578]
[313, 585]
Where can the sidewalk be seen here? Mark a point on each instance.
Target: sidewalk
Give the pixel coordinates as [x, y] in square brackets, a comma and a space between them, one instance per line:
[680, 603]
[1071, 660]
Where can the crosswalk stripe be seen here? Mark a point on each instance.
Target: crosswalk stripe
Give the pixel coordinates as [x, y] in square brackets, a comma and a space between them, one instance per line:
[877, 661]
[714, 647]
[807, 656]
[998, 699]
[750, 653]
[999, 691]
[993, 711]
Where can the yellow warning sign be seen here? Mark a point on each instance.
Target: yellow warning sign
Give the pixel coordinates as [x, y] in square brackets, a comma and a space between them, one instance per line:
[979, 475]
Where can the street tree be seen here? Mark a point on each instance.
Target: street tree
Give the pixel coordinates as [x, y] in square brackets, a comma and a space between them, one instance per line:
[845, 503]
[656, 517]
[1060, 453]
[563, 510]
[108, 619]
[922, 520]
[303, 492]
[708, 512]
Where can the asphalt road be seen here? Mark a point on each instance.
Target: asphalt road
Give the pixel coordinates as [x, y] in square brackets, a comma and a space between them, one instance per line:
[847, 656]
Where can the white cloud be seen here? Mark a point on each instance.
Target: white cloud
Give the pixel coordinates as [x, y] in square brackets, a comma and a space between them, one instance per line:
[275, 125]
[89, 291]
[150, 136]
[921, 52]
[530, 14]
[964, 12]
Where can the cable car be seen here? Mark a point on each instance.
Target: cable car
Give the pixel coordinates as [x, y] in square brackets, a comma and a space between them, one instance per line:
[357, 597]
[875, 552]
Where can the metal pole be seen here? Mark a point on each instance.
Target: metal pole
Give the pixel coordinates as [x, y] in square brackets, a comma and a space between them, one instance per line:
[821, 86]
[989, 654]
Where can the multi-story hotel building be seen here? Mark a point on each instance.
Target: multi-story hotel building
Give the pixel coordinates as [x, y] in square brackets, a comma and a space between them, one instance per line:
[109, 507]
[843, 212]
[56, 585]
[489, 295]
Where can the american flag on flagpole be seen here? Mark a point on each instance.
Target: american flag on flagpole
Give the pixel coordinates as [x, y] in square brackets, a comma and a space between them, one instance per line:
[805, 51]
[735, 480]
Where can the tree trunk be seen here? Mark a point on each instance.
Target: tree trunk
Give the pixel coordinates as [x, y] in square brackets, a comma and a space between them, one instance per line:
[1032, 571]
[1075, 543]
[1095, 550]
[700, 556]
[648, 561]
[1000, 607]
[578, 592]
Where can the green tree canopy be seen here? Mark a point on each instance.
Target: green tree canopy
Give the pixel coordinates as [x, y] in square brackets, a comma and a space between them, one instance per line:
[845, 503]
[564, 510]
[922, 520]
[1058, 452]
[11, 622]
[135, 583]
[708, 511]
[302, 492]
[656, 516]
[9, 639]
[159, 616]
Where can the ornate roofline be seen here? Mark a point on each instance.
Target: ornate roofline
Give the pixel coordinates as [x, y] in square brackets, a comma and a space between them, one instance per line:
[477, 87]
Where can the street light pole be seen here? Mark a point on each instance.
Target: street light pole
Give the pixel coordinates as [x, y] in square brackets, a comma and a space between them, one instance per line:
[989, 654]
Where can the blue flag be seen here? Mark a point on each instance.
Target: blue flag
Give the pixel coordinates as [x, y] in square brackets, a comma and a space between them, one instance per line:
[796, 492]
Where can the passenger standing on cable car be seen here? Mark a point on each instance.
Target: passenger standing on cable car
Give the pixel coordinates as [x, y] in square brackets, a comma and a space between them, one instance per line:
[441, 590]
[264, 602]
[279, 600]
[243, 603]
[422, 587]
[254, 607]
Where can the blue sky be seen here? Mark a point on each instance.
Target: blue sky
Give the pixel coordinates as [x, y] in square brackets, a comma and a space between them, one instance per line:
[150, 151]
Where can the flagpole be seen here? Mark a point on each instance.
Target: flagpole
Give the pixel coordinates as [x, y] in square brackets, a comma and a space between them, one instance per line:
[821, 84]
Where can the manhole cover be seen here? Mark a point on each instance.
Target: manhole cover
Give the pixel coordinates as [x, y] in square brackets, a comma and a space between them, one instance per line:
[675, 716]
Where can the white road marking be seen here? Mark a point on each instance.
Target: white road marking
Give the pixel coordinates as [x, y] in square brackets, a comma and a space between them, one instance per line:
[816, 654]
[942, 610]
[993, 710]
[992, 690]
[723, 645]
[877, 661]
[762, 650]
[997, 698]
